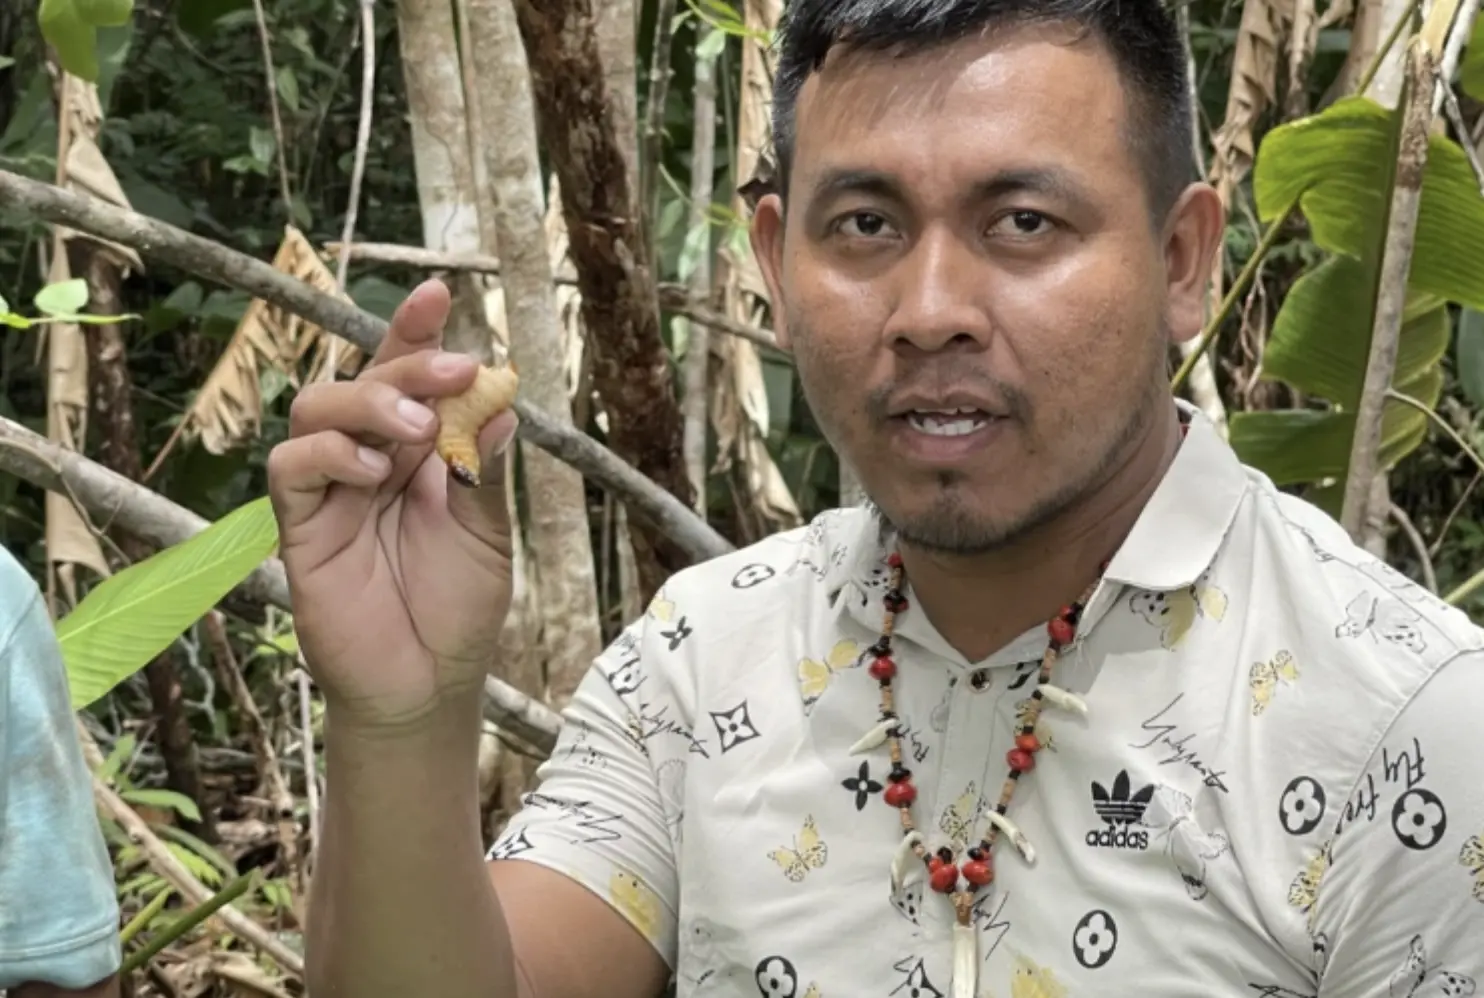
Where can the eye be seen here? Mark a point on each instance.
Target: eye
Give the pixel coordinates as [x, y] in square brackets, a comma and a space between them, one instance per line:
[1022, 223]
[868, 225]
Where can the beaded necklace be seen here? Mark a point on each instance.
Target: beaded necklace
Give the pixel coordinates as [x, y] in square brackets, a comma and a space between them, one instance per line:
[946, 876]
[962, 882]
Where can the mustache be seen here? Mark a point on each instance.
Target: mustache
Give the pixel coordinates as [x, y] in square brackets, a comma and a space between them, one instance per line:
[1003, 396]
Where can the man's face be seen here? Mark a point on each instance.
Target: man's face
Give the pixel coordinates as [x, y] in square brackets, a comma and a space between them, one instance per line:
[968, 276]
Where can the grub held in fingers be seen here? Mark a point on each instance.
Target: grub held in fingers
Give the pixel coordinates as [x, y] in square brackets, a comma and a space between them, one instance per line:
[461, 417]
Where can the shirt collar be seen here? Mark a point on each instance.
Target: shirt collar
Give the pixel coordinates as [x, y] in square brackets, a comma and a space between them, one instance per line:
[1177, 536]
[1172, 544]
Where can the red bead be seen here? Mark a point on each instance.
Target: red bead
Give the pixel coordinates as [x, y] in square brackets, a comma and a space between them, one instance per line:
[901, 794]
[945, 878]
[894, 560]
[1061, 631]
[978, 872]
[883, 668]
[1020, 760]
[1028, 743]
[934, 864]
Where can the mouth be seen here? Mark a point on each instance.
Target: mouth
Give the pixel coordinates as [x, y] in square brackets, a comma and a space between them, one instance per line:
[959, 422]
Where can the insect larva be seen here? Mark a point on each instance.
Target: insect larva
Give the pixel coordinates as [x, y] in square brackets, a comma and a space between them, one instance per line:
[461, 417]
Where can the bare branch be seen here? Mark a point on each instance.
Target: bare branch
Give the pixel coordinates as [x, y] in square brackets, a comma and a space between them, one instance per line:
[205, 258]
[109, 496]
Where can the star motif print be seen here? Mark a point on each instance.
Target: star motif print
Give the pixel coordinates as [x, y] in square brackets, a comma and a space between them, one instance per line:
[862, 786]
[733, 727]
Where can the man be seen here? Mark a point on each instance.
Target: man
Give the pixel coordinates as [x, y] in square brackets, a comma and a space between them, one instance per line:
[1078, 706]
[59, 931]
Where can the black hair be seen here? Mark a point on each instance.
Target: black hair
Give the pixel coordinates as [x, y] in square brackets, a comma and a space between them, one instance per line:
[1142, 36]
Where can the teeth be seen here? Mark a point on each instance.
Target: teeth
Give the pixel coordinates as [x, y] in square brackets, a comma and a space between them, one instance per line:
[934, 424]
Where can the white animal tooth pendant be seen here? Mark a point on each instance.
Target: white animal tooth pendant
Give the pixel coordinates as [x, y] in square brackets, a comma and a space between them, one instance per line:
[965, 961]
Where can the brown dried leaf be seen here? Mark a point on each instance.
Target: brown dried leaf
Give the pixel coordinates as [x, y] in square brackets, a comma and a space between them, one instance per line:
[228, 409]
[1253, 89]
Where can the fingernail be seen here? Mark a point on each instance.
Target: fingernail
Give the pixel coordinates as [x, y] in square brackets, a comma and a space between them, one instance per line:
[417, 416]
[373, 459]
[451, 363]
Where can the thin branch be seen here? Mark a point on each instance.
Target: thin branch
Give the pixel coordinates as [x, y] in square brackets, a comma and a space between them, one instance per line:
[213, 261]
[1419, 546]
[283, 169]
[651, 163]
[363, 144]
[1455, 118]
[185, 923]
[1396, 261]
[151, 517]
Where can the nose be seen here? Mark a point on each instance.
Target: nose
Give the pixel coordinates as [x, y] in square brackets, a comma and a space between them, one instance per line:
[940, 297]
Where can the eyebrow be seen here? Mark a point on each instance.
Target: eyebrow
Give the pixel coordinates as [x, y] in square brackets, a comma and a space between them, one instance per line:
[1050, 180]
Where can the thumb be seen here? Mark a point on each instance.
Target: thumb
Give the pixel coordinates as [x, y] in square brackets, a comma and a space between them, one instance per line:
[484, 509]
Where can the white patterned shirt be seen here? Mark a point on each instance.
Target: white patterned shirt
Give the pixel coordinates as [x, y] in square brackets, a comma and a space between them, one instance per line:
[1276, 790]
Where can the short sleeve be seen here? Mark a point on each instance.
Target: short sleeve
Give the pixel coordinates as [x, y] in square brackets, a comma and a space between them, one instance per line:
[597, 815]
[1400, 910]
[58, 913]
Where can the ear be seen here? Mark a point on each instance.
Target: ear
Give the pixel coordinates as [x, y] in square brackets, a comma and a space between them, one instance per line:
[768, 224]
[1193, 235]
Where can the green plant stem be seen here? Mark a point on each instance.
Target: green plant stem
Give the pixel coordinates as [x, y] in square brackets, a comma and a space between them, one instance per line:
[187, 922]
[1238, 288]
[1468, 588]
[150, 910]
[1385, 49]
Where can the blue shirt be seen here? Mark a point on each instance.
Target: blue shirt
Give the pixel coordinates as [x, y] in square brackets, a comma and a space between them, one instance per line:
[58, 913]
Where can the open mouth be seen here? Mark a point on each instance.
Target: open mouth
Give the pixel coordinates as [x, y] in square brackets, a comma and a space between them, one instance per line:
[948, 422]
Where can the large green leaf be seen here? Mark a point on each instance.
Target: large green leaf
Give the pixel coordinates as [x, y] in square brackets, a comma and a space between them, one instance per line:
[1296, 446]
[1342, 159]
[71, 26]
[1321, 339]
[131, 617]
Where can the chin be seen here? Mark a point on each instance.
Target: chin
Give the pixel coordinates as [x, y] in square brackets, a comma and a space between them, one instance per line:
[951, 525]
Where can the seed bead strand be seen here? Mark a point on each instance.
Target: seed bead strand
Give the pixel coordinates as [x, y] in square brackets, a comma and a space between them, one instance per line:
[977, 872]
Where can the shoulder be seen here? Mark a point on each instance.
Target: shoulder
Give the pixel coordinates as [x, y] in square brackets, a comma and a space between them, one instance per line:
[20, 597]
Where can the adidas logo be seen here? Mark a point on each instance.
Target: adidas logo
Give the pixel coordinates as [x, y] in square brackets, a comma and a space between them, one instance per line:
[1120, 810]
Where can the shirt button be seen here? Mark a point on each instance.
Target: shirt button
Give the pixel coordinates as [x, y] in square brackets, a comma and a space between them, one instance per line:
[980, 680]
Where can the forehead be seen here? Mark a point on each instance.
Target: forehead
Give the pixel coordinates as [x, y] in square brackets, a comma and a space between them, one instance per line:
[1012, 97]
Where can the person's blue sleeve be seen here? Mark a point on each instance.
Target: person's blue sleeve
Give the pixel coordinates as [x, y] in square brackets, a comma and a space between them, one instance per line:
[58, 913]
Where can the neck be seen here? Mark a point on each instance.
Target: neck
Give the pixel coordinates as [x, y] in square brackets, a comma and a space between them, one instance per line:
[1033, 576]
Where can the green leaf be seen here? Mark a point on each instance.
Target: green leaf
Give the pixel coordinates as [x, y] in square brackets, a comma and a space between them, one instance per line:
[1471, 72]
[1471, 355]
[105, 13]
[711, 45]
[1321, 338]
[1342, 159]
[1296, 446]
[65, 298]
[129, 618]
[6, 62]
[288, 87]
[75, 40]
[260, 141]
[177, 802]
[4, 305]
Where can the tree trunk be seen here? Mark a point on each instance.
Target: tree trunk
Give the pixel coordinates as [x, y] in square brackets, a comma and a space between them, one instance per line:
[440, 154]
[112, 391]
[558, 538]
[631, 369]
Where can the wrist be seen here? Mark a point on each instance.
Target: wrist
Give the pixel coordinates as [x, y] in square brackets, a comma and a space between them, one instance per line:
[451, 718]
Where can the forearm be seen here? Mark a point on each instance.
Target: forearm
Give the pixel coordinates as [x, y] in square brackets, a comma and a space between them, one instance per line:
[401, 903]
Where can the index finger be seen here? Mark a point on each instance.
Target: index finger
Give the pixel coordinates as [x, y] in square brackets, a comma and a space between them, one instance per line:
[417, 324]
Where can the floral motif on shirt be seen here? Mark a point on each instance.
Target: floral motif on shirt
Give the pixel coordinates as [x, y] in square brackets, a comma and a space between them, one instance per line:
[1174, 613]
[816, 675]
[809, 852]
[1266, 677]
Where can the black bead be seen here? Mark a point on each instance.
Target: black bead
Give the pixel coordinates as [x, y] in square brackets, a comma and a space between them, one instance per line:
[899, 774]
[945, 854]
[881, 647]
[976, 854]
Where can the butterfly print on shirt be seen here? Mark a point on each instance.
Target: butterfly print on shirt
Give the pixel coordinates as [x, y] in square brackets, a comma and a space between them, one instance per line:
[816, 675]
[1383, 618]
[1416, 978]
[1471, 858]
[809, 852]
[1174, 613]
